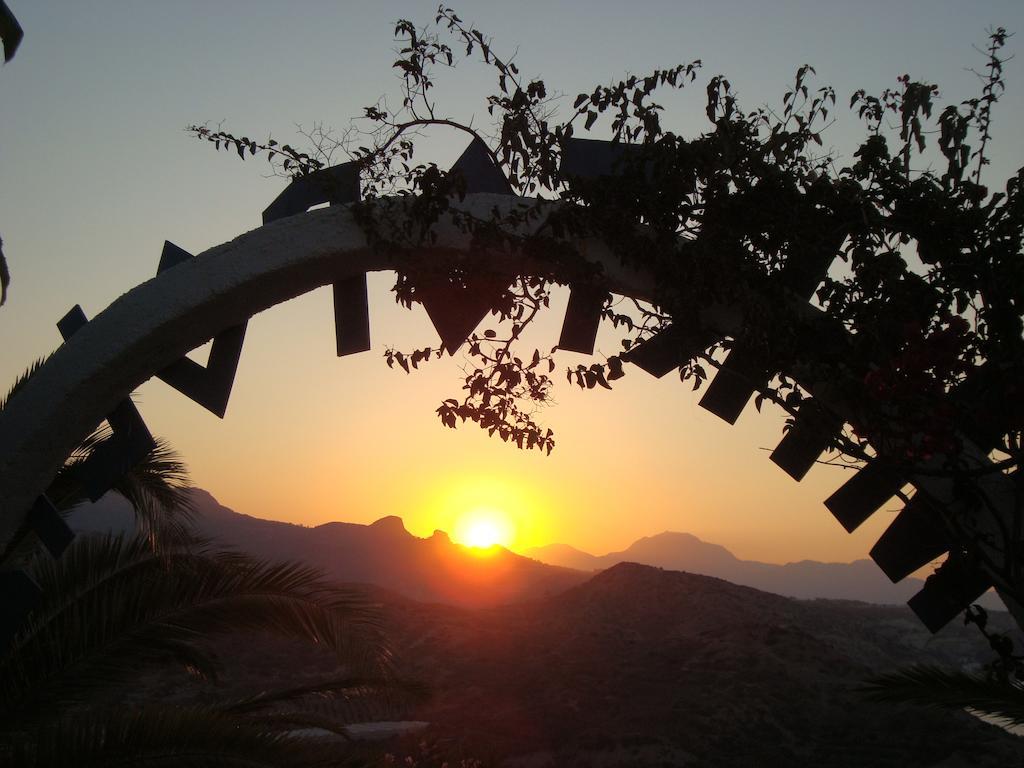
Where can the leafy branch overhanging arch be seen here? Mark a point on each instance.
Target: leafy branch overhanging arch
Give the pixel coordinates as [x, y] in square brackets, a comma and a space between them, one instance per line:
[751, 225]
[152, 326]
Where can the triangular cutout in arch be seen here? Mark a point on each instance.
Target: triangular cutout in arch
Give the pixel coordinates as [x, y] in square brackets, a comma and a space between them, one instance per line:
[209, 386]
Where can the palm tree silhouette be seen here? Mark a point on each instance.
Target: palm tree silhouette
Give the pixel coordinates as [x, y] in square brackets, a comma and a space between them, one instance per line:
[157, 488]
[114, 608]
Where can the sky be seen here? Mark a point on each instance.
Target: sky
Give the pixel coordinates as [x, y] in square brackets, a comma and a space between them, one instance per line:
[96, 171]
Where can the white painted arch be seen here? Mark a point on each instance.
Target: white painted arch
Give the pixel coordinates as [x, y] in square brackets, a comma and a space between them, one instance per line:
[159, 321]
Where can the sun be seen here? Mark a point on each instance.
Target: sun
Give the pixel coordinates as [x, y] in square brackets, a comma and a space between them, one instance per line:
[483, 528]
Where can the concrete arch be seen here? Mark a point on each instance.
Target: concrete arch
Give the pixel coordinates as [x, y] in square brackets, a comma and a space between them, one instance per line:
[159, 321]
[156, 323]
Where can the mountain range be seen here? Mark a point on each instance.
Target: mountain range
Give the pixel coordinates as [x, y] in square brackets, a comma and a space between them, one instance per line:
[435, 569]
[533, 666]
[384, 553]
[639, 667]
[859, 580]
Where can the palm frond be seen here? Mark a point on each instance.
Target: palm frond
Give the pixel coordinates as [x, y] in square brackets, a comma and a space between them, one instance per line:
[21, 381]
[349, 699]
[291, 721]
[327, 689]
[158, 489]
[948, 689]
[166, 736]
[112, 607]
[66, 490]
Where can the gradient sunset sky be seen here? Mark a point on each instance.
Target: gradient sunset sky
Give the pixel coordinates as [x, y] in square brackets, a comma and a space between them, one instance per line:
[96, 171]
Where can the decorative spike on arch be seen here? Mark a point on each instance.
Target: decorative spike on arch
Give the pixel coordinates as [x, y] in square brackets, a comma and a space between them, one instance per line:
[130, 440]
[860, 496]
[479, 171]
[336, 185]
[171, 256]
[456, 308]
[582, 319]
[49, 526]
[914, 539]
[666, 350]
[657, 355]
[209, 386]
[351, 315]
[807, 267]
[740, 376]
[947, 592]
[594, 158]
[809, 437]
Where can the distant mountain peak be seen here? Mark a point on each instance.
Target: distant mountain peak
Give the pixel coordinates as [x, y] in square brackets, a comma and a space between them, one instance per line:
[390, 523]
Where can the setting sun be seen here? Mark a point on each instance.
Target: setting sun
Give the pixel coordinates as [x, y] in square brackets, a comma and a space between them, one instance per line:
[483, 528]
[480, 509]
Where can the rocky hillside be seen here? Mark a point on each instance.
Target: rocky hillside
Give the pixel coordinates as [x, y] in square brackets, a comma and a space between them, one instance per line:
[642, 667]
[636, 666]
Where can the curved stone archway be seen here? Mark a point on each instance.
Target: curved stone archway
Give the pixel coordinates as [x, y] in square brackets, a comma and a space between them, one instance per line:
[157, 323]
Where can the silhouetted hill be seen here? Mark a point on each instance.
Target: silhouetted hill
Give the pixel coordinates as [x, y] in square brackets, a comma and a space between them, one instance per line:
[565, 556]
[636, 666]
[436, 569]
[644, 667]
[383, 553]
[859, 580]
